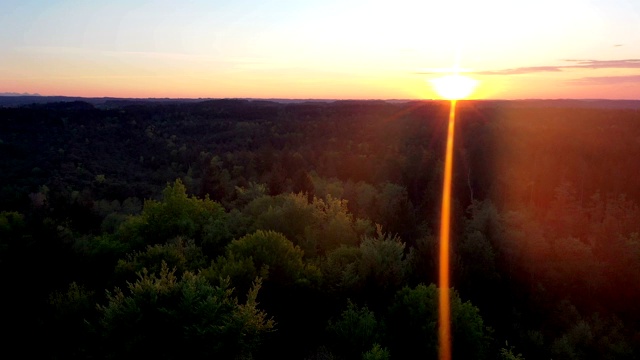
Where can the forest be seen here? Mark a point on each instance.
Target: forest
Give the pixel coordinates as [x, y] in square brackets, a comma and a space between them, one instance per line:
[249, 229]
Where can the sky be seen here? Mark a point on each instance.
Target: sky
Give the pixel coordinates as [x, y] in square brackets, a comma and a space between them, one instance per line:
[543, 49]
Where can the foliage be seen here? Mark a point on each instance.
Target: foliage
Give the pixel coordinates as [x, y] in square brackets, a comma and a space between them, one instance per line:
[379, 264]
[12, 226]
[340, 269]
[317, 227]
[507, 354]
[102, 252]
[288, 214]
[423, 260]
[75, 299]
[376, 353]
[71, 313]
[10, 221]
[592, 337]
[355, 331]
[188, 316]
[322, 353]
[266, 254]
[178, 215]
[383, 261]
[179, 254]
[412, 325]
[550, 192]
[412, 322]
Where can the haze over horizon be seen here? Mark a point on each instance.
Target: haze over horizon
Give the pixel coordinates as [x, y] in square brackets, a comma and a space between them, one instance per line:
[574, 49]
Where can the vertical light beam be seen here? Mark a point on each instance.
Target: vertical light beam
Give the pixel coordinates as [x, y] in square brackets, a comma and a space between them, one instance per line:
[444, 305]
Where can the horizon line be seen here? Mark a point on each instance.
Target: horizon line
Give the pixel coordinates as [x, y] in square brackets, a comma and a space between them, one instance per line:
[276, 99]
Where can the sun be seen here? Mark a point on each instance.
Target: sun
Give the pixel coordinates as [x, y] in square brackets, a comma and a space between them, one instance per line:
[454, 86]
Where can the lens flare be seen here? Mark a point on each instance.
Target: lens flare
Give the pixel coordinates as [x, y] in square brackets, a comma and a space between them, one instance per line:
[451, 87]
[444, 306]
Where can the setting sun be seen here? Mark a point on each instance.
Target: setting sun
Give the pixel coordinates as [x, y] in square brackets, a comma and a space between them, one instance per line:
[454, 87]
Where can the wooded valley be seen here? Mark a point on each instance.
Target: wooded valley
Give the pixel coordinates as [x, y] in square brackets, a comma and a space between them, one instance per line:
[242, 229]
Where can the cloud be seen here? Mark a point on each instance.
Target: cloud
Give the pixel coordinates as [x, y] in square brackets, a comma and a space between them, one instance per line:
[573, 64]
[604, 64]
[570, 64]
[520, 70]
[606, 80]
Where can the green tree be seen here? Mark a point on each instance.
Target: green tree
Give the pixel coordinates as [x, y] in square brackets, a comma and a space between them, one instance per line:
[338, 227]
[247, 194]
[267, 254]
[378, 265]
[592, 337]
[383, 262]
[189, 317]
[182, 255]
[12, 232]
[395, 211]
[289, 214]
[377, 352]
[507, 354]
[72, 312]
[355, 331]
[177, 214]
[412, 325]
[317, 227]
[340, 269]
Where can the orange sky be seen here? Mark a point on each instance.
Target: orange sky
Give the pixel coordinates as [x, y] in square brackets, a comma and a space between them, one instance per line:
[320, 49]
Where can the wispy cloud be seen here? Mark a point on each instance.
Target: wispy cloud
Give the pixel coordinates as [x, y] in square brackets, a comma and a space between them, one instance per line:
[520, 70]
[568, 66]
[572, 64]
[604, 64]
[607, 80]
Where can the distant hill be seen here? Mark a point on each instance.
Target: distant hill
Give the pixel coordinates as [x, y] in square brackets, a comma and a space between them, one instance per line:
[7, 100]
[17, 94]
[22, 100]
[576, 103]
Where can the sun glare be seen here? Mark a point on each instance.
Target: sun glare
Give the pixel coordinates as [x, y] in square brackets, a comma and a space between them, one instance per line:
[451, 87]
[454, 87]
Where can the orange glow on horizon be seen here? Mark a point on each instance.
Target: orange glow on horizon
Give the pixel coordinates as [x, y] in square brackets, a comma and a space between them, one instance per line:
[444, 306]
[294, 85]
